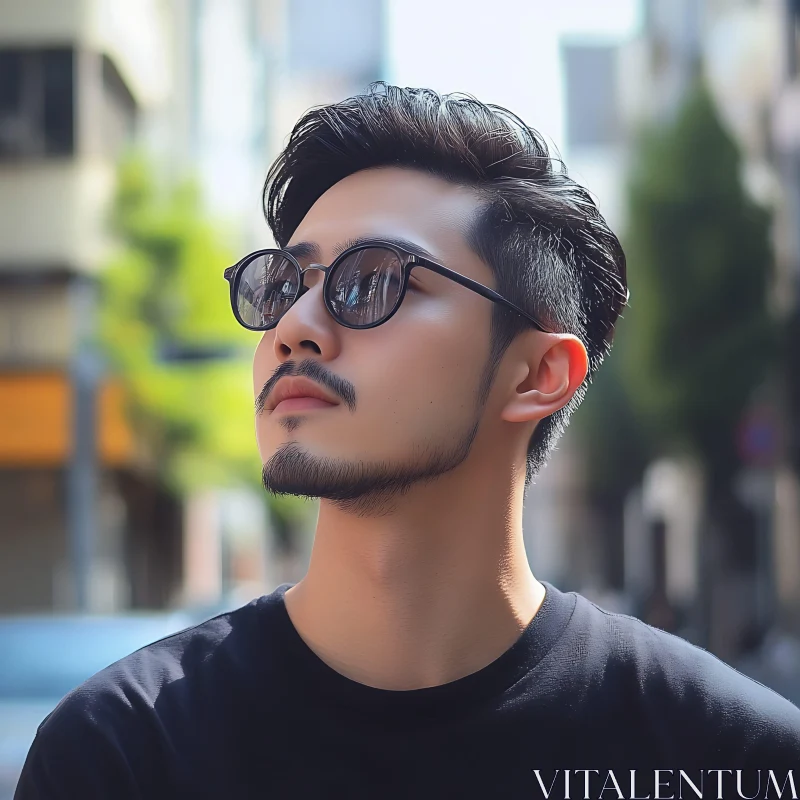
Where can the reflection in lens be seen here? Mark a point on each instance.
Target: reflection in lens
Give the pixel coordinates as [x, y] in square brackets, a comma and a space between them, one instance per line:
[267, 287]
[366, 286]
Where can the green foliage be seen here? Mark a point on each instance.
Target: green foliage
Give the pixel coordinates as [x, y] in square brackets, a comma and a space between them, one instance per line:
[699, 335]
[165, 287]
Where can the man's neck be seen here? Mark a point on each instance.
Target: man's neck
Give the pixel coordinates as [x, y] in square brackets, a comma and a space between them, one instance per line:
[428, 594]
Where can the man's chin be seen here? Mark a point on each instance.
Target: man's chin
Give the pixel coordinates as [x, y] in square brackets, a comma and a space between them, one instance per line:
[358, 494]
[356, 486]
[293, 470]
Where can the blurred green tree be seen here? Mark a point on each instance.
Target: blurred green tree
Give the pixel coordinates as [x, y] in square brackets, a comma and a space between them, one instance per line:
[163, 293]
[699, 337]
[164, 300]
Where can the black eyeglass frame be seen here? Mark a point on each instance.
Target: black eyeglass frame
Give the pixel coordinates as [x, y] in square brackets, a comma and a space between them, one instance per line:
[408, 261]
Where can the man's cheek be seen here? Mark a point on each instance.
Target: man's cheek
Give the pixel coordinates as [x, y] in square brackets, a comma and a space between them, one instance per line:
[261, 374]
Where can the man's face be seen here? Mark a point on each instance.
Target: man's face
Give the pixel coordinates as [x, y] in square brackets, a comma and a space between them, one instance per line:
[412, 383]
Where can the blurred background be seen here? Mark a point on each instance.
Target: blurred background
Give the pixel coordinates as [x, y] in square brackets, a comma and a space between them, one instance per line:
[134, 139]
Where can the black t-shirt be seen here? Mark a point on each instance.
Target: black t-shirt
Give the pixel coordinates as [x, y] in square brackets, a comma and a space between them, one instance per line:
[241, 707]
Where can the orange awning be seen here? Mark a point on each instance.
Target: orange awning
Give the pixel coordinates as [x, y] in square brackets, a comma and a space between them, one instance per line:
[36, 421]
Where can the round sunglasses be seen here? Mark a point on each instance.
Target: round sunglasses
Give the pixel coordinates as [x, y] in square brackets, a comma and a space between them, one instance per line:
[363, 288]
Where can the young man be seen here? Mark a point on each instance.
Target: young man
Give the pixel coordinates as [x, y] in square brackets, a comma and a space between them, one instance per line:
[443, 296]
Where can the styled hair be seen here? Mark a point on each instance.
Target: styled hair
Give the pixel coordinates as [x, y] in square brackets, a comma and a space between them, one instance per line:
[541, 234]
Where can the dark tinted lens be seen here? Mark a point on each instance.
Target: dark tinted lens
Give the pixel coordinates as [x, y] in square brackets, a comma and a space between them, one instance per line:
[365, 288]
[267, 287]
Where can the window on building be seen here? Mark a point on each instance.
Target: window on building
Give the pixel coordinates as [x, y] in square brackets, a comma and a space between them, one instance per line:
[591, 94]
[37, 102]
[340, 40]
[35, 324]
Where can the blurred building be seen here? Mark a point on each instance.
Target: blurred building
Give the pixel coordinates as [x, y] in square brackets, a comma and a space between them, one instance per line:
[211, 88]
[748, 52]
[244, 73]
[74, 76]
[612, 86]
[591, 548]
[752, 58]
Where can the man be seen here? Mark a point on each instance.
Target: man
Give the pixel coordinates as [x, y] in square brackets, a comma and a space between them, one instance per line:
[442, 296]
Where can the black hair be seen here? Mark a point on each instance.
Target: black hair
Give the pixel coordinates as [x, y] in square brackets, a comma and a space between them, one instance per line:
[540, 232]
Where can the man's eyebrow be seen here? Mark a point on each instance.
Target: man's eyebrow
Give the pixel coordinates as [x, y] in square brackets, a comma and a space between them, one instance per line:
[312, 249]
[303, 250]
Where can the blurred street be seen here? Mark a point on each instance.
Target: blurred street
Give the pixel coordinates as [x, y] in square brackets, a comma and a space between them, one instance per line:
[134, 142]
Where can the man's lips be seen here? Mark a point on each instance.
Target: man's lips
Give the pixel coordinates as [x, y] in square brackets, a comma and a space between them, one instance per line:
[302, 404]
[299, 389]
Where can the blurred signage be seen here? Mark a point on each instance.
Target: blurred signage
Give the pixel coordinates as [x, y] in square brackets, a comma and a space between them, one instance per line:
[36, 421]
[758, 437]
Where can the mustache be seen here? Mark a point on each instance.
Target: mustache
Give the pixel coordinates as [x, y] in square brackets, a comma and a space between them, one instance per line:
[314, 371]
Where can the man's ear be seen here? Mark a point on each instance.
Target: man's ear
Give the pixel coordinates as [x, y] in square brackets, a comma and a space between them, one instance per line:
[552, 377]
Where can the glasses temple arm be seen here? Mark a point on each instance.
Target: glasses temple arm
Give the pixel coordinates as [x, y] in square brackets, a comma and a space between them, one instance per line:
[485, 291]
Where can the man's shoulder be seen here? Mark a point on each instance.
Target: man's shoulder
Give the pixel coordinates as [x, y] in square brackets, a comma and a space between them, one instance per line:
[120, 727]
[136, 684]
[681, 680]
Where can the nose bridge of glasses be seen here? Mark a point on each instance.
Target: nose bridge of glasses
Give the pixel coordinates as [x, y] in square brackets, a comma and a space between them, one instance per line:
[303, 270]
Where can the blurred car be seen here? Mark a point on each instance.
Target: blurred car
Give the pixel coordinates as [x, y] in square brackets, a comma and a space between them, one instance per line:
[42, 657]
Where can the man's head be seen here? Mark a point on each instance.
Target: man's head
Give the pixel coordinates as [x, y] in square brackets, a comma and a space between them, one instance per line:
[476, 188]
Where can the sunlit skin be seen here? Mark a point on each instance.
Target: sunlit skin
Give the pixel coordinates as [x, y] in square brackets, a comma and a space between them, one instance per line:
[435, 584]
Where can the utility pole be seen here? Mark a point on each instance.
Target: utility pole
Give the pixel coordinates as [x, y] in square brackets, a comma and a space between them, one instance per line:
[82, 468]
[786, 139]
